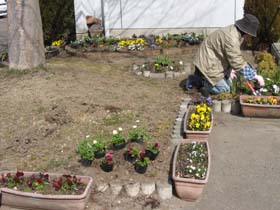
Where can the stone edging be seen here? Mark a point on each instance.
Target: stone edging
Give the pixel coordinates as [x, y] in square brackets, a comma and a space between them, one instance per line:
[168, 74]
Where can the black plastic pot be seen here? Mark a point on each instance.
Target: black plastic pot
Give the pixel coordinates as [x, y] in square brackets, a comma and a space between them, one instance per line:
[151, 155]
[139, 141]
[107, 167]
[99, 155]
[140, 169]
[118, 146]
[128, 157]
[86, 162]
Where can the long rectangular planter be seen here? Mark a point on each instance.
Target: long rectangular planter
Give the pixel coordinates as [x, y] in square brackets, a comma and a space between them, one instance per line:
[27, 200]
[259, 110]
[190, 134]
[189, 189]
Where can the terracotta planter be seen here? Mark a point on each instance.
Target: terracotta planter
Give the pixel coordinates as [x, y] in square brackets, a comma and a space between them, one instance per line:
[190, 134]
[27, 200]
[189, 189]
[259, 110]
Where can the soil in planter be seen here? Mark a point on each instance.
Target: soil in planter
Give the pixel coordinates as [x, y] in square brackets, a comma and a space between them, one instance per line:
[183, 161]
[24, 184]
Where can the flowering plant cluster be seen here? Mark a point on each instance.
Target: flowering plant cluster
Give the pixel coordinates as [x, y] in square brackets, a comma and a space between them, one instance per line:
[66, 183]
[40, 183]
[154, 148]
[132, 44]
[86, 150]
[58, 43]
[196, 165]
[118, 137]
[108, 159]
[138, 133]
[142, 160]
[98, 144]
[132, 151]
[200, 119]
[260, 100]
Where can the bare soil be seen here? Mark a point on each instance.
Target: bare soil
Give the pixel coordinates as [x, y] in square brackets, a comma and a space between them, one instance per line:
[46, 112]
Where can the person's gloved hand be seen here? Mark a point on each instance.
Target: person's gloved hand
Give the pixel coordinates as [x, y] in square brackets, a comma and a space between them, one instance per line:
[232, 74]
[260, 80]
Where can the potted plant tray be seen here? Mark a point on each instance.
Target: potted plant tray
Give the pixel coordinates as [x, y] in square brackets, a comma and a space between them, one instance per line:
[189, 188]
[195, 134]
[252, 107]
[30, 200]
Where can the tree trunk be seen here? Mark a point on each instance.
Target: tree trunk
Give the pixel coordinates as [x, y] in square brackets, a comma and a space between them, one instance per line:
[26, 45]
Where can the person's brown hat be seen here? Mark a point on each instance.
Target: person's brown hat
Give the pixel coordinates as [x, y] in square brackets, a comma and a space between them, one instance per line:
[249, 24]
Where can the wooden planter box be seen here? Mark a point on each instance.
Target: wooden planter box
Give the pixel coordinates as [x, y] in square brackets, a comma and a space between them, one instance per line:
[27, 200]
[259, 110]
[189, 189]
[190, 134]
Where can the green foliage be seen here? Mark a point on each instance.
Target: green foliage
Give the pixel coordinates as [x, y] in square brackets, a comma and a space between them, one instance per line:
[265, 11]
[137, 133]
[154, 148]
[98, 144]
[118, 138]
[58, 20]
[266, 65]
[85, 149]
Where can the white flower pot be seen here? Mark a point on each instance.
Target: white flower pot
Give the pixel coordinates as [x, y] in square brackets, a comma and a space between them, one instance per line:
[226, 106]
[216, 106]
[146, 73]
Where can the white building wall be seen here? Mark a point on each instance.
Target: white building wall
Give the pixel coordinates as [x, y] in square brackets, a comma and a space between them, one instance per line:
[152, 15]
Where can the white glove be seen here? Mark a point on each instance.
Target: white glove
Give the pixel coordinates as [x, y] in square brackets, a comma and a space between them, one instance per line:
[260, 80]
[232, 74]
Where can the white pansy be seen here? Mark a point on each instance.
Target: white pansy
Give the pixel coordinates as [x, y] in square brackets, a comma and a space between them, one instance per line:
[264, 90]
[87, 136]
[268, 79]
[181, 62]
[134, 126]
[171, 67]
[115, 132]
[120, 129]
[137, 121]
[94, 142]
[193, 167]
[143, 66]
[276, 88]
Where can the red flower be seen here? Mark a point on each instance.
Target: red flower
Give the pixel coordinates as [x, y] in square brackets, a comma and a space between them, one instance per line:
[69, 181]
[57, 184]
[39, 180]
[19, 174]
[108, 157]
[156, 146]
[142, 155]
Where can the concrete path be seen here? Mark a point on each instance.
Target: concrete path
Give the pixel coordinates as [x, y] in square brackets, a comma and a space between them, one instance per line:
[245, 169]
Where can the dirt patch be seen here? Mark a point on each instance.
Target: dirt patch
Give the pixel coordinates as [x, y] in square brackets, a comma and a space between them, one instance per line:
[46, 112]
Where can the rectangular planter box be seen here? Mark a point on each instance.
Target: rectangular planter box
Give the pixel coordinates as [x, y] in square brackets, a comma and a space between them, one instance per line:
[189, 189]
[27, 200]
[259, 110]
[190, 134]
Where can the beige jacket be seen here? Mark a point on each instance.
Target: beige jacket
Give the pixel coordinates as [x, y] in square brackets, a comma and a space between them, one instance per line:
[219, 53]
